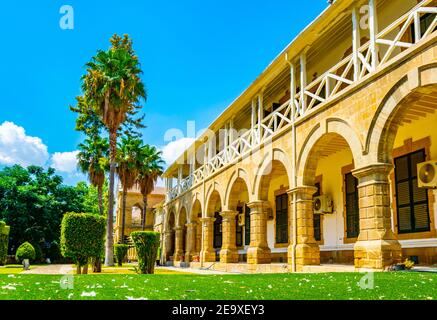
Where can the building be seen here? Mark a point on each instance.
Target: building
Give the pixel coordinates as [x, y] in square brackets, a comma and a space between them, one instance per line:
[344, 113]
[134, 211]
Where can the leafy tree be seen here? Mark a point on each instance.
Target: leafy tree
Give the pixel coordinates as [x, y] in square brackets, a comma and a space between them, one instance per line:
[113, 89]
[146, 244]
[33, 201]
[151, 167]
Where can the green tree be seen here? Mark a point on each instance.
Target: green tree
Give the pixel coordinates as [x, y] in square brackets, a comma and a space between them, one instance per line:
[93, 160]
[128, 161]
[33, 201]
[151, 167]
[113, 89]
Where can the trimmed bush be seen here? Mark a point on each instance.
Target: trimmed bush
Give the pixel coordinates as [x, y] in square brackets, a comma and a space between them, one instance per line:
[25, 251]
[120, 252]
[4, 241]
[146, 244]
[82, 237]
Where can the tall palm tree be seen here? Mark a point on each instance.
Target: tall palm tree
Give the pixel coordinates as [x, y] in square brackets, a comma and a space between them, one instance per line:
[128, 160]
[150, 169]
[113, 87]
[92, 160]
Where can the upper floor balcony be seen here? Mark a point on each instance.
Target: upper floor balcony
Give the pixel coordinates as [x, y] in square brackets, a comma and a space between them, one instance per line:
[348, 44]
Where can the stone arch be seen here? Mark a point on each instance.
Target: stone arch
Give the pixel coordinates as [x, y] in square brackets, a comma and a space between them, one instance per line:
[196, 209]
[238, 178]
[182, 218]
[276, 160]
[385, 123]
[214, 197]
[324, 132]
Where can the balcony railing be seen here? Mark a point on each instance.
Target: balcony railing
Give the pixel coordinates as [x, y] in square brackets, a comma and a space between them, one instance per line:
[326, 87]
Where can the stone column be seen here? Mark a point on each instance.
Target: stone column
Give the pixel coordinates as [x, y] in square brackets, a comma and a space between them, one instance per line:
[167, 245]
[191, 241]
[229, 253]
[307, 250]
[179, 244]
[207, 253]
[377, 246]
[259, 251]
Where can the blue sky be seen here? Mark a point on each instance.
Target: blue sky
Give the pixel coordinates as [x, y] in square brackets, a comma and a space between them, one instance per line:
[197, 57]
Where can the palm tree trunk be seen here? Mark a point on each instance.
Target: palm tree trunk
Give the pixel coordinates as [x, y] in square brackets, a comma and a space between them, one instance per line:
[109, 250]
[143, 218]
[100, 196]
[123, 214]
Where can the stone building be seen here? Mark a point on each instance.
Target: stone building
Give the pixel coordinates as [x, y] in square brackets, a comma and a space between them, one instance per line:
[343, 115]
[135, 211]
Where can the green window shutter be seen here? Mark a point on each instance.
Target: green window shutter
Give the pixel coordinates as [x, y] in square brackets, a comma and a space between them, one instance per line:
[247, 225]
[282, 218]
[352, 206]
[411, 201]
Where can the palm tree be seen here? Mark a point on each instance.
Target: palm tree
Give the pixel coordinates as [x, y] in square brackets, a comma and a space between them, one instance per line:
[150, 169]
[92, 160]
[128, 160]
[113, 87]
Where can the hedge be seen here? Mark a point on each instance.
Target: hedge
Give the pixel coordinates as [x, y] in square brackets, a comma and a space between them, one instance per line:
[120, 252]
[4, 240]
[146, 244]
[82, 237]
[25, 251]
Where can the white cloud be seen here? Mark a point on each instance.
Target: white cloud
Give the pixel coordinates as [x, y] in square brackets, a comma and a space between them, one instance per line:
[175, 148]
[18, 148]
[65, 161]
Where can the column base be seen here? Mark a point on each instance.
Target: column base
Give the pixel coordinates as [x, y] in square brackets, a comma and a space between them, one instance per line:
[306, 255]
[377, 254]
[179, 256]
[228, 256]
[208, 256]
[258, 255]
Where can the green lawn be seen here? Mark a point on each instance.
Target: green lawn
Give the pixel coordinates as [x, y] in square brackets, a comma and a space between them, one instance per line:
[399, 285]
[11, 269]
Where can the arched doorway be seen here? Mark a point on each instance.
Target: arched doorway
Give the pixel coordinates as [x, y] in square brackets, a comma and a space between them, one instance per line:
[273, 190]
[214, 236]
[238, 199]
[181, 235]
[407, 139]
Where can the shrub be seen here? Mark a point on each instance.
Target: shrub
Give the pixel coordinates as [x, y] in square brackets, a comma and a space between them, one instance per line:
[120, 252]
[409, 264]
[38, 252]
[4, 240]
[25, 251]
[146, 244]
[82, 237]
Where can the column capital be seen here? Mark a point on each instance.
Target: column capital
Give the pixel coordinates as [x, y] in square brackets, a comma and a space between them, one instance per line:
[373, 173]
[207, 220]
[259, 205]
[192, 224]
[228, 214]
[179, 228]
[303, 192]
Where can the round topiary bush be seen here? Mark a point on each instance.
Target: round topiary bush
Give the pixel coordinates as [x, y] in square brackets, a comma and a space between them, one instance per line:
[25, 251]
[146, 244]
[120, 252]
[4, 240]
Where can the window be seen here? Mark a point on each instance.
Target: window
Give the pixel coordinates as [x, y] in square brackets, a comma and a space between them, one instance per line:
[352, 206]
[411, 201]
[239, 230]
[317, 217]
[218, 231]
[282, 218]
[247, 225]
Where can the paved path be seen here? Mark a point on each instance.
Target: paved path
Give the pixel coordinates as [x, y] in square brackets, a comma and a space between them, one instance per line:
[50, 269]
[193, 270]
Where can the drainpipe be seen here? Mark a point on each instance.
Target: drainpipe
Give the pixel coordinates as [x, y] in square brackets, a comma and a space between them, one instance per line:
[293, 171]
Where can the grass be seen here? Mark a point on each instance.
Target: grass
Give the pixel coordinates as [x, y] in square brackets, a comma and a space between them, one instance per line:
[343, 286]
[129, 269]
[11, 269]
